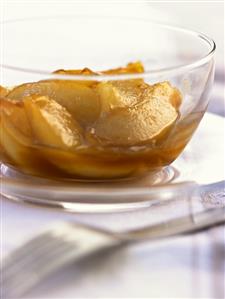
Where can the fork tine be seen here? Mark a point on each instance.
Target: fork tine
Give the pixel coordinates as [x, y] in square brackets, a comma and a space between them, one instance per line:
[41, 254]
[32, 244]
[26, 254]
[49, 252]
[31, 276]
[19, 252]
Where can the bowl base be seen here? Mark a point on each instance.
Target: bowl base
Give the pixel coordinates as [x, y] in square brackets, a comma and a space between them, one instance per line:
[83, 196]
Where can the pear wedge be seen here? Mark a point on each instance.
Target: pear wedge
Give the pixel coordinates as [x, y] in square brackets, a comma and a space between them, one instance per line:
[120, 94]
[16, 137]
[130, 68]
[128, 93]
[3, 91]
[86, 72]
[51, 123]
[166, 91]
[145, 122]
[16, 115]
[83, 166]
[78, 98]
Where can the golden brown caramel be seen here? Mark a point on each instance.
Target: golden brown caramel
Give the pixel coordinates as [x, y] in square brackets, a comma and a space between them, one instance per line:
[86, 71]
[92, 129]
[131, 68]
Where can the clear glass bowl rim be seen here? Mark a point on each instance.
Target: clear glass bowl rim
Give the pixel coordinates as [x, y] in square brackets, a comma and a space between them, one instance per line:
[153, 73]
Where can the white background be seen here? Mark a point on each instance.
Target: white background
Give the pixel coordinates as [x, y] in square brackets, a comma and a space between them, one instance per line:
[204, 16]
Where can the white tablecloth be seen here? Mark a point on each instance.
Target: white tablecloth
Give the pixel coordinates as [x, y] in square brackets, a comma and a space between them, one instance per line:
[182, 267]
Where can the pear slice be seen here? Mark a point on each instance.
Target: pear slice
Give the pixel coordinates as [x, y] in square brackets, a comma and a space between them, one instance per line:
[164, 90]
[85, 166]
[83, 72]
[79, 99]
[16, 146]
[123, 93]
[86, 71]
[16, 137]
[51, 123]
[16, 115]
[3, 91]
[120, 94]
[130, 68]
[148, 121]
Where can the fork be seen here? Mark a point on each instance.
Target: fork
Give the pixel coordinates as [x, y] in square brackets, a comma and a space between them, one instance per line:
[58, 246]
[68, 242]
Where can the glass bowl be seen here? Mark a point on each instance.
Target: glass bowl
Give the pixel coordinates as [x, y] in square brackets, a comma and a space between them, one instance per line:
[117, 140]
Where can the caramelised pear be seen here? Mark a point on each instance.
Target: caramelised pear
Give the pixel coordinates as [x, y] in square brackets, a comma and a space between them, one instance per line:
[128, 93]
[3, 91]
[90, 128]
[14, 114]
[120, 94]
[130, 68]
[78, 98]
[145, 122]
[86, 165]
[16, 136]
[86, 71]
[164, 90]
[51, 123]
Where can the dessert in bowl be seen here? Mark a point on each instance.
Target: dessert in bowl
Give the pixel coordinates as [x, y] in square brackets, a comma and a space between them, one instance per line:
[91, 124]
